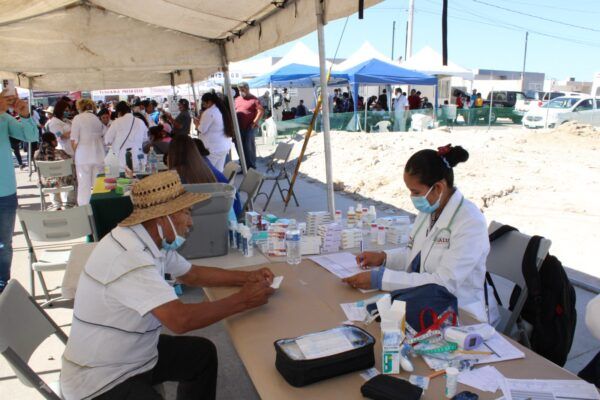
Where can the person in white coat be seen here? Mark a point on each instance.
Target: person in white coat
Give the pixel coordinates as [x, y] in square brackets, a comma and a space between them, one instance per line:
[215, 129]
[126, 132]
[61, 127]
[87, 132]
[448, 244]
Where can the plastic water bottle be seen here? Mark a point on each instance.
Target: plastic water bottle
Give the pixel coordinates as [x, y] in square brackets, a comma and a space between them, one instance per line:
[140, 158]
[153, 161]
[129, 158]
[292, 243]
[111, 164]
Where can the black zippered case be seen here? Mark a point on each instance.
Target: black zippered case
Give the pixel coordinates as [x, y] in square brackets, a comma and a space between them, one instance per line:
[385, 387]
[302, 372]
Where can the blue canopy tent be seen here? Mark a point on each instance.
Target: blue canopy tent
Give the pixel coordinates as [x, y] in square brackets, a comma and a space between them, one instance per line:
[295, 75]
[378, 72]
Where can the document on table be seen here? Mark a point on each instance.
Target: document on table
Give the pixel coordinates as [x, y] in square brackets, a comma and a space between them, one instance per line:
[548, 389]
[487, 379]
[354, 312]
[324, 344]
[277, 282]
[500, 349]
[341, 265]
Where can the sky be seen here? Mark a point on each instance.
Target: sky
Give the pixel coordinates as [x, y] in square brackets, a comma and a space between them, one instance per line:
[564, 36]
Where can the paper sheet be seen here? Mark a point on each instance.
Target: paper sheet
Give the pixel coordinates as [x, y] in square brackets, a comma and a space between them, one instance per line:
[367, 374]
[548, 389]
[501, 349]
[341, 265]
[354, 312]
[324, 344]
[487, 379]
[277, 282]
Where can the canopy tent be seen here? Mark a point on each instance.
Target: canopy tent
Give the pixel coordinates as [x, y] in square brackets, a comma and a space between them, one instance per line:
[93, 44]
[366, 52]
[428, 61]
[299, 54]
[296, 75]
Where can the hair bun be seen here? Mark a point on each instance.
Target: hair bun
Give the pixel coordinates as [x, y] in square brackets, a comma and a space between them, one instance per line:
[456, 155]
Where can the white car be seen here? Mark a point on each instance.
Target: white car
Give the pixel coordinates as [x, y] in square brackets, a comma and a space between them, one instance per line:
[563, 109]
[525, 104]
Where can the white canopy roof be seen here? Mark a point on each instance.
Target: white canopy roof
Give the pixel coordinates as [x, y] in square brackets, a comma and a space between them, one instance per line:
[299, 54]
[103, 44]
[429, 61]
[364, 53]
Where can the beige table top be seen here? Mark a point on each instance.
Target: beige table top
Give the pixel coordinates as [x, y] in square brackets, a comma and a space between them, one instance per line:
[308, 301]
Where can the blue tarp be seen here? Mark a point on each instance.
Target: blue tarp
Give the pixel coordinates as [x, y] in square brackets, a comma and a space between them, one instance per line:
[292, 75]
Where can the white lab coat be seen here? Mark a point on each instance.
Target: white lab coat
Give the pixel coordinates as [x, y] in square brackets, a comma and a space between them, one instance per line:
[120, 139]
[87, 131]
[455, 259]
[592, 316]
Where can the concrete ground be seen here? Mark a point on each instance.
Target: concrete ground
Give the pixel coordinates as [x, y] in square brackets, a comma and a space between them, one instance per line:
[233, 378]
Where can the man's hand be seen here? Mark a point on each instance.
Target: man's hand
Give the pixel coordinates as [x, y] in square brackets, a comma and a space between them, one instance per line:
[22, 107]
[5, 102]
[196, 122]
[359, 281]
[254, 294]
[370, 259]
[261, 275]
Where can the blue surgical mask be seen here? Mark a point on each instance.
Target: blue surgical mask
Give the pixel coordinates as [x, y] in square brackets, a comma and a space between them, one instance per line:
[422, 204]
[175, 244]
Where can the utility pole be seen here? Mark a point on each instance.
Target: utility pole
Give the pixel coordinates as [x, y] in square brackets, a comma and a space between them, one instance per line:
[524, 61]
[409, 28]
[393, 38]
[445, 32]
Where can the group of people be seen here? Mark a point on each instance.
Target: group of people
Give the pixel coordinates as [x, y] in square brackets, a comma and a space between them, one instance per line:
[116, 348]
[474, 101]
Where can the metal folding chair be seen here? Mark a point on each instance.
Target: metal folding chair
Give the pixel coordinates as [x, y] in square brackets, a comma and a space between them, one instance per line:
[54, 169]
[249, 186]
[230, 170]
[505, 260]
[279, 161]
[25, 325]
[53, 226]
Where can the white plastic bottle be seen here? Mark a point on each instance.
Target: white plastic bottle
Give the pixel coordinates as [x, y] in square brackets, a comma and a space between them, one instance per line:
[351, 221]
[111, 164]
[152, 160]
[358, 212]
[141, 161]
[381, 235]
[371, 215]
[373, 232]
[292, 243]
[247, 248]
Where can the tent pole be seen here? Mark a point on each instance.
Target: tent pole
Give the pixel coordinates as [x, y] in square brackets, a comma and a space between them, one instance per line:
[194, 92]
[173, 84]
[319, 6]
[29, 157]
[236, 125]
[271, 102]
[435, 101]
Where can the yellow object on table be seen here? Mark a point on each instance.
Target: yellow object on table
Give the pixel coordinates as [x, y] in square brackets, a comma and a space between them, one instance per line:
[99, 186]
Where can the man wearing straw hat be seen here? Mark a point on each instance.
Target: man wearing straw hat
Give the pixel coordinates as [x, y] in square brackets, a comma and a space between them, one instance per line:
[115, 349]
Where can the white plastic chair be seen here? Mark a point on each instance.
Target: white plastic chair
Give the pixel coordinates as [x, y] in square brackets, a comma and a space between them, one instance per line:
[53, 226]
[230, 170]
[505, 260]
[54, 170]
[269, 131]
[383, 126]
[24, 327]
[250, 185]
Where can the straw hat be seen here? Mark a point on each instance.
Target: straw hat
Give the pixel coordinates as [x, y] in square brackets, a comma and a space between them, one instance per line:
[49, 110]
[159, 195]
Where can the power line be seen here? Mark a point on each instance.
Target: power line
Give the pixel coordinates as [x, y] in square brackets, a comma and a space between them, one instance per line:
[524, 3]
[538, 17]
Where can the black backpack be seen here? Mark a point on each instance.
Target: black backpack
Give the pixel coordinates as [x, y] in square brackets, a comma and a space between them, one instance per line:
[550, 304]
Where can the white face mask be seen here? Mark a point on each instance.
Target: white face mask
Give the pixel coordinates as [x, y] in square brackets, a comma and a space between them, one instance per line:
[175, 244]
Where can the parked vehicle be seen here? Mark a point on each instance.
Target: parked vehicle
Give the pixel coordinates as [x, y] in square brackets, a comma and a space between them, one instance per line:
[506, 99]
[539, 99]
[580, 108]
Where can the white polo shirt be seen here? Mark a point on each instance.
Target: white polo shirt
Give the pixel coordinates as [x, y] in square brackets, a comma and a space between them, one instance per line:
[114, 336]
[400, 102]
[212, 131]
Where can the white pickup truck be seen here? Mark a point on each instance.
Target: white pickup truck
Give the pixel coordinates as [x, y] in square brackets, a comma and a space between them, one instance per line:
[523, 105]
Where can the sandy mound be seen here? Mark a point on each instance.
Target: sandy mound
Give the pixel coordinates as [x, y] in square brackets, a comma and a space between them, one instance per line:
[578, 129]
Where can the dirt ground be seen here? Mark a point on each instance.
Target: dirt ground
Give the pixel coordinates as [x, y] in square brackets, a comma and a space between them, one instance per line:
[543, 182]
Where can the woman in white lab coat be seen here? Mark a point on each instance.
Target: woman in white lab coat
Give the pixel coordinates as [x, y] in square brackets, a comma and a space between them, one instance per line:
[448, 244]
[125, 132]
[215, 129]
[87, 132]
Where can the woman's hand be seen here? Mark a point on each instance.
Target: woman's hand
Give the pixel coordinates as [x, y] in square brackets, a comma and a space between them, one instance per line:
[359, 281]
[368, 259]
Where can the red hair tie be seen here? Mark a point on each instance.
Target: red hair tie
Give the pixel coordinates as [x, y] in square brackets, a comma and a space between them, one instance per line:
[442, 151]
